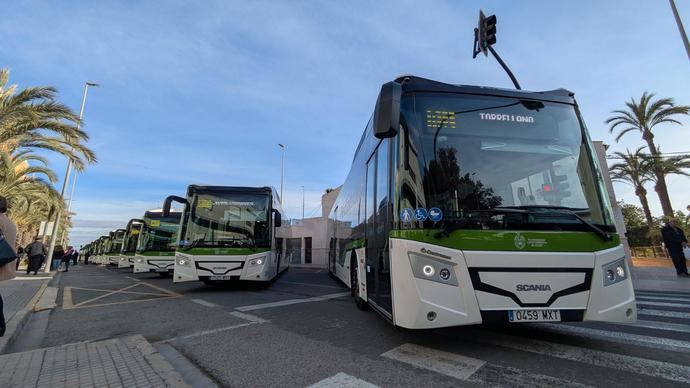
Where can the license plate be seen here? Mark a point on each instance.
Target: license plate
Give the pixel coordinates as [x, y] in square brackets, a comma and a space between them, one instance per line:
[220, 277]
[534, 316]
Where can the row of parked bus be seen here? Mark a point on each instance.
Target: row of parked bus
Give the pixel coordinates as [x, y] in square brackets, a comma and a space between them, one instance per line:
[463, 205]
[222, 233]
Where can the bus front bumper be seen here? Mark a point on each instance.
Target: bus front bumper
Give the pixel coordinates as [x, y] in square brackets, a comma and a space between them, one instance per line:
[484, 286]
[154, 264]
[256, 267]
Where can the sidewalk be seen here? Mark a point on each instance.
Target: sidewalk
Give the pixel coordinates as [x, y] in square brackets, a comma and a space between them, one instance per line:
[120, 362]
[19, 296]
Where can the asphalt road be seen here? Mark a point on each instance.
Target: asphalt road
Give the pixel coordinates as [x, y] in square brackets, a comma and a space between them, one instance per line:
[304, 329]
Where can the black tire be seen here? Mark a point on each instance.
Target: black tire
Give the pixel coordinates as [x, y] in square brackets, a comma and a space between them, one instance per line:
[354, 284]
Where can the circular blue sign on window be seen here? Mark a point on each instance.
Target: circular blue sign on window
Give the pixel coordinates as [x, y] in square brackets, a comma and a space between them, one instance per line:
[406, 215]
[420, 214]
[435, 214]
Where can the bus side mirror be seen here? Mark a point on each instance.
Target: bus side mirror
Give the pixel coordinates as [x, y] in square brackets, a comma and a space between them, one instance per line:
[387, 111]
[168, 202]
[277, 219]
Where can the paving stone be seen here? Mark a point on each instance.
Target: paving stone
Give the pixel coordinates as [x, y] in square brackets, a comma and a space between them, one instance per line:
[122, 362]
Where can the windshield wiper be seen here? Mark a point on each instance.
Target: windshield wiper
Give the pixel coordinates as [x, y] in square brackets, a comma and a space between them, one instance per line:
[569, 211]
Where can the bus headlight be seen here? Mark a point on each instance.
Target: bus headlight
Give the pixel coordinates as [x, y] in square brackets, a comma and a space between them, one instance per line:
[183, 261]
[432, 269]
[257, 262]
[140, 260]
[615, 272]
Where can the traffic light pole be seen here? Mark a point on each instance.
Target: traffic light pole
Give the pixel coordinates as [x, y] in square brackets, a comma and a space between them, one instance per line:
[505, 67]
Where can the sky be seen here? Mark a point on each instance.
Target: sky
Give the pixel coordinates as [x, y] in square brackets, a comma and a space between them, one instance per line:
[203, 91]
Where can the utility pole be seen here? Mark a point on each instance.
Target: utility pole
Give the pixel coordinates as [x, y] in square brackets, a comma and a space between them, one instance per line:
[65, 182]
[683, 35]
[302, 204]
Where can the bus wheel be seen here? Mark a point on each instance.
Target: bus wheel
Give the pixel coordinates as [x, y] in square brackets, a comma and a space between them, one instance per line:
[354, 286]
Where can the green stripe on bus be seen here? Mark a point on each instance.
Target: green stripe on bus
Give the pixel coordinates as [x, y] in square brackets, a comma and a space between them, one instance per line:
[223, 251]
[493, 240]
[157, 253]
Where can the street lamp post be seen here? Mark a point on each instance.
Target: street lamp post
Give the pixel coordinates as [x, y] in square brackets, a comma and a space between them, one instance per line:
[303, 204]
[681, 30]
[65, 182]
[282, 169]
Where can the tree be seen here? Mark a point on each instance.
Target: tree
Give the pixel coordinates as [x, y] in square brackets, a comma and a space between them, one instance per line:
[634, 170]
[674, 165]
[33, 119]
[643, 116]
[639, 231]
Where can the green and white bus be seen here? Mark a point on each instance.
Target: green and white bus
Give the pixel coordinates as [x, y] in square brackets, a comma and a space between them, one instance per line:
[99, 250]
[470, 204]
[129, 245]
[156, 246]
[229, 233]
[113, 246]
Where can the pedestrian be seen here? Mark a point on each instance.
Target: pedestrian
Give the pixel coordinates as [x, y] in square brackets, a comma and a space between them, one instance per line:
[20, 254]
[75, 256]
[67, 257]
[675, 241]
[87, 255]
[37, 254]
[7, 271]
[58, 254]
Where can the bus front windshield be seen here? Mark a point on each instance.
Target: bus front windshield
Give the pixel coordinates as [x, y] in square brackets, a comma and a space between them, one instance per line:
[503, 163]
[116, 242]
[130, 243]
[220, 218]
[159, 234]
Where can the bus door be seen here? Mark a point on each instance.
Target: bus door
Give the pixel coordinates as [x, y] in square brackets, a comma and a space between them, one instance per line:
[378, 228]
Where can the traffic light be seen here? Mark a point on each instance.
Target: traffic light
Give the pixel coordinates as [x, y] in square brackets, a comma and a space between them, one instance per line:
[486, 32]
[561, 185]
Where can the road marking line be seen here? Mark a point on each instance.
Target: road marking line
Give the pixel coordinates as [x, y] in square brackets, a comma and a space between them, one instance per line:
[204, 303]
[119, 291]
[108, 293]
[662, 313]
[658, 369]
[213, 331]
[163, 289]
[311, 285]
[667, 326]
[445, 363]
[619, 337]
[661, 304]
[662, 298]
[343, 380]
[123, 302]
[67, 298]
[131, 278]
[32, 278]
[248, 317]
[291, 301]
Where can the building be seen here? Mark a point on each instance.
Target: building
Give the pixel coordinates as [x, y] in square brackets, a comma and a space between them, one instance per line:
[308, 241]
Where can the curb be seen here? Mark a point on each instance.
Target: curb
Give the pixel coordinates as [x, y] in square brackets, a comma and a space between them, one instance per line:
[158, 363]
[20, 319]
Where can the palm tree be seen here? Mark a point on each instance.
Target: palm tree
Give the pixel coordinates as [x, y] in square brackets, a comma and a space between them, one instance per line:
[674, 165]
[643, 117]
[32, 118]
[26, 182]
[635, 170]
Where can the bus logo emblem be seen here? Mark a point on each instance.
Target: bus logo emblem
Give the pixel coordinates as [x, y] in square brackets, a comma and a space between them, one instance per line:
[520, 241]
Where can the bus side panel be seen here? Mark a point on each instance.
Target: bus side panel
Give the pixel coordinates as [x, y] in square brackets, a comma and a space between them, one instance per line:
[362, 272]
